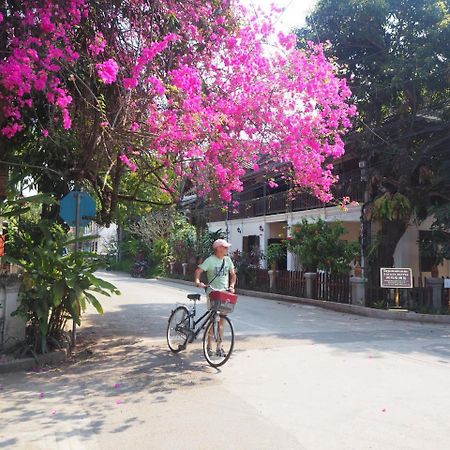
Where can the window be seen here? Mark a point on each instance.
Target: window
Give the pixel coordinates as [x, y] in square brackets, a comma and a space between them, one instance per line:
[427, 258]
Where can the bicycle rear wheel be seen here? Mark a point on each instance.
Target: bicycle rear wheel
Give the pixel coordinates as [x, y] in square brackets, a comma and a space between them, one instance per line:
[218, 341]
[178, 329]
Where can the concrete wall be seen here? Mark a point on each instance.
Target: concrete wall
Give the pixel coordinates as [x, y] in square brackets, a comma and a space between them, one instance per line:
[407, 251]
[14, 327]
[278, 224]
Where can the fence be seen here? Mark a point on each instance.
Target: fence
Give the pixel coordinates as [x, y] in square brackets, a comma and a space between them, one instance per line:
[332, 288]
[327, 287]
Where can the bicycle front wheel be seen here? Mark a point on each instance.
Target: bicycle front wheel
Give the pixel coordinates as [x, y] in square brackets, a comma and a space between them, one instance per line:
[178, 329]
[218, 341]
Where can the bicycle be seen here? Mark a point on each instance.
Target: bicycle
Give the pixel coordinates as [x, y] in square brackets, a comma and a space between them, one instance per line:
[218, 339]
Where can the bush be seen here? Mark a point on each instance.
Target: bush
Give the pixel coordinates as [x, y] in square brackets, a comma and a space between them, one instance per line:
[56, 288]
[319, 246]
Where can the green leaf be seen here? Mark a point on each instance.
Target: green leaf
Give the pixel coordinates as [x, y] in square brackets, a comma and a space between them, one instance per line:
[94, 302]
[58, 292]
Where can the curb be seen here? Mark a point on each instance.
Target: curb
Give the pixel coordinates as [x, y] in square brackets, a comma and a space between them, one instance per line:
[16, 365]
[338, 307]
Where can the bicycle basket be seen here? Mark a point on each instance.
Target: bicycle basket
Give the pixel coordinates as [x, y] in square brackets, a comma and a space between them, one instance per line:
[222, 301]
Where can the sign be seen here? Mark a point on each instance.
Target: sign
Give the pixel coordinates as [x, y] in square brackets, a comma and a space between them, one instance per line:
[2, 245]
[69, 205]
[447, 283]
[396, 278]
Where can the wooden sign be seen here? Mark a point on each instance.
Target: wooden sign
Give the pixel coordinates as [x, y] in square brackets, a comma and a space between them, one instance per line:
[2, 245]
[396, 278]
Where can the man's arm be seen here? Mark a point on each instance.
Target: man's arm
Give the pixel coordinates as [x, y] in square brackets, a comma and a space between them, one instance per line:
[197, 275]
[232, 279]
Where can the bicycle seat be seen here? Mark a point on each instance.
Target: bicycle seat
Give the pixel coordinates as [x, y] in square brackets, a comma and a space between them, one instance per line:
[194, 296]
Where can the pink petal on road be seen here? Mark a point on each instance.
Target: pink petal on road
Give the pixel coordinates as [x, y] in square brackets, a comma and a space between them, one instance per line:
[53, 412]
[117, 386]
[41, 395]
[119, 402]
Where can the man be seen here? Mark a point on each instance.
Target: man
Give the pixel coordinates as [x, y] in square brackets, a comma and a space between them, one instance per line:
[221, 277]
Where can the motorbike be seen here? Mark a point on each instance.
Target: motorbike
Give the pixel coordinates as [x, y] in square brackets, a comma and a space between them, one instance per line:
[139, 269]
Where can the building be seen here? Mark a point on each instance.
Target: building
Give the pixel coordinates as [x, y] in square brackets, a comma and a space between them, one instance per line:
[103, 238]
[265, 216]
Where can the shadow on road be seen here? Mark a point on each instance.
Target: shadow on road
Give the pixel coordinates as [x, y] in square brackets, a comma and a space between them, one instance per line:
[125, 353]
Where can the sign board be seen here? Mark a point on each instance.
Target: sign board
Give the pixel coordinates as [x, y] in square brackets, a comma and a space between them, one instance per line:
[68, 209]
[447, 283]
[396, 278]
[2, 245]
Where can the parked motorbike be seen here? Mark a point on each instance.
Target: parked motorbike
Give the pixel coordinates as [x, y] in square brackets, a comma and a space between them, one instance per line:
[139, 269]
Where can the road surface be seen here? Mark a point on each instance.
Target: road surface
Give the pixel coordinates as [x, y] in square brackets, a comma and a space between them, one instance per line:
[301, 378]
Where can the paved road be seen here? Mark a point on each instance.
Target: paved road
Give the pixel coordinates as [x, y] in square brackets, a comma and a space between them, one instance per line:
[300, 378]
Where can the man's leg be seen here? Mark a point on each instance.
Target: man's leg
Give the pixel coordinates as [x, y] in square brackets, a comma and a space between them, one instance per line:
[221, 328]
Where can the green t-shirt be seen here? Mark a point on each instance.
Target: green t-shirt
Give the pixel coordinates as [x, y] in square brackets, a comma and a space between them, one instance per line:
[212, 266]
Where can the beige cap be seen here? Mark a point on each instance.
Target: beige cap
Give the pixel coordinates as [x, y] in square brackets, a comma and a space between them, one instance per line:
[221, 243]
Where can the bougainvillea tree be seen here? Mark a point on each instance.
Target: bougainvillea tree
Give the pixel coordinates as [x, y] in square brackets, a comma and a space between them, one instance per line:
[169, 91]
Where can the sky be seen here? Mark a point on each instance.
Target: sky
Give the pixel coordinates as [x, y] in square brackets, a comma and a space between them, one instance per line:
[294, 14]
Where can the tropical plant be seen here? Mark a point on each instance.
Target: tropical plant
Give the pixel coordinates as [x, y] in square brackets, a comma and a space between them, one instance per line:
[205, 240]
[319, 245]
[274, 253]
[56, 288]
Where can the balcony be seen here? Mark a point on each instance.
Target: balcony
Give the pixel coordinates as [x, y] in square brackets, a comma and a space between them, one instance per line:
[279, 203]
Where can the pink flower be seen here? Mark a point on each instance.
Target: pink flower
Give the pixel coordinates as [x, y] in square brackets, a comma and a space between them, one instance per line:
[132, 166]
[11, 130]
[99, 44]
[45, 133]
[107, 71]
[1, 17]
[130, 83]
[67, 121]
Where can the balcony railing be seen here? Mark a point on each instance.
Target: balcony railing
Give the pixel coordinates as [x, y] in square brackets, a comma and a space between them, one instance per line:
[280, 203]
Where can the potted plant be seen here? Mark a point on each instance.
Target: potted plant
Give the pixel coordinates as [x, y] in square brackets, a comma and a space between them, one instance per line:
[274, 253]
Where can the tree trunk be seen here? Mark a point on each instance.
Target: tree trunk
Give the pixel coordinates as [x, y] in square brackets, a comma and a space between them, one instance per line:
[390, 234]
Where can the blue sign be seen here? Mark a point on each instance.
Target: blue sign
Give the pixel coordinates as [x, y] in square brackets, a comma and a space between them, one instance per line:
[86, 206]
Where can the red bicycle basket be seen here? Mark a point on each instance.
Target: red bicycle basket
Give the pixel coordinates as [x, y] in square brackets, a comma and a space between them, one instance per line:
[222, 301]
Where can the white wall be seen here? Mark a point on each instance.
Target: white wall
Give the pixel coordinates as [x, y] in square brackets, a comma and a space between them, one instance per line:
[277, 224]
[407, 251]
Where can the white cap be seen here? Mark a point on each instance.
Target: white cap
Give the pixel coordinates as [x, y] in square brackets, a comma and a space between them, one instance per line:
[221, 243]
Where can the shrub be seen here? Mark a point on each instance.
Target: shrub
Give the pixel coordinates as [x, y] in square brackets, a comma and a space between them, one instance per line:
[319, 246]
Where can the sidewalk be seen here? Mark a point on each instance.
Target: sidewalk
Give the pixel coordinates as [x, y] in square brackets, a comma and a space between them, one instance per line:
[338, 307]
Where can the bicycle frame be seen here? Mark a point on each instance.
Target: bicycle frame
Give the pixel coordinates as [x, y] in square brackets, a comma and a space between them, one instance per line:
[208, 316]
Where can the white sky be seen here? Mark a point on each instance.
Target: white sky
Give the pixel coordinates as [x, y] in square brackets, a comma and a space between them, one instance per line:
[294, 14]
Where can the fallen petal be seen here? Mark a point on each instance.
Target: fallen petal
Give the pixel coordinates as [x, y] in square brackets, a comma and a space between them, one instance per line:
[119, 402]
[41, 395]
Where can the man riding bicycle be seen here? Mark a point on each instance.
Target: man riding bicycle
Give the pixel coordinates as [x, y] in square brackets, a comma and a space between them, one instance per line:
[221, 275]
